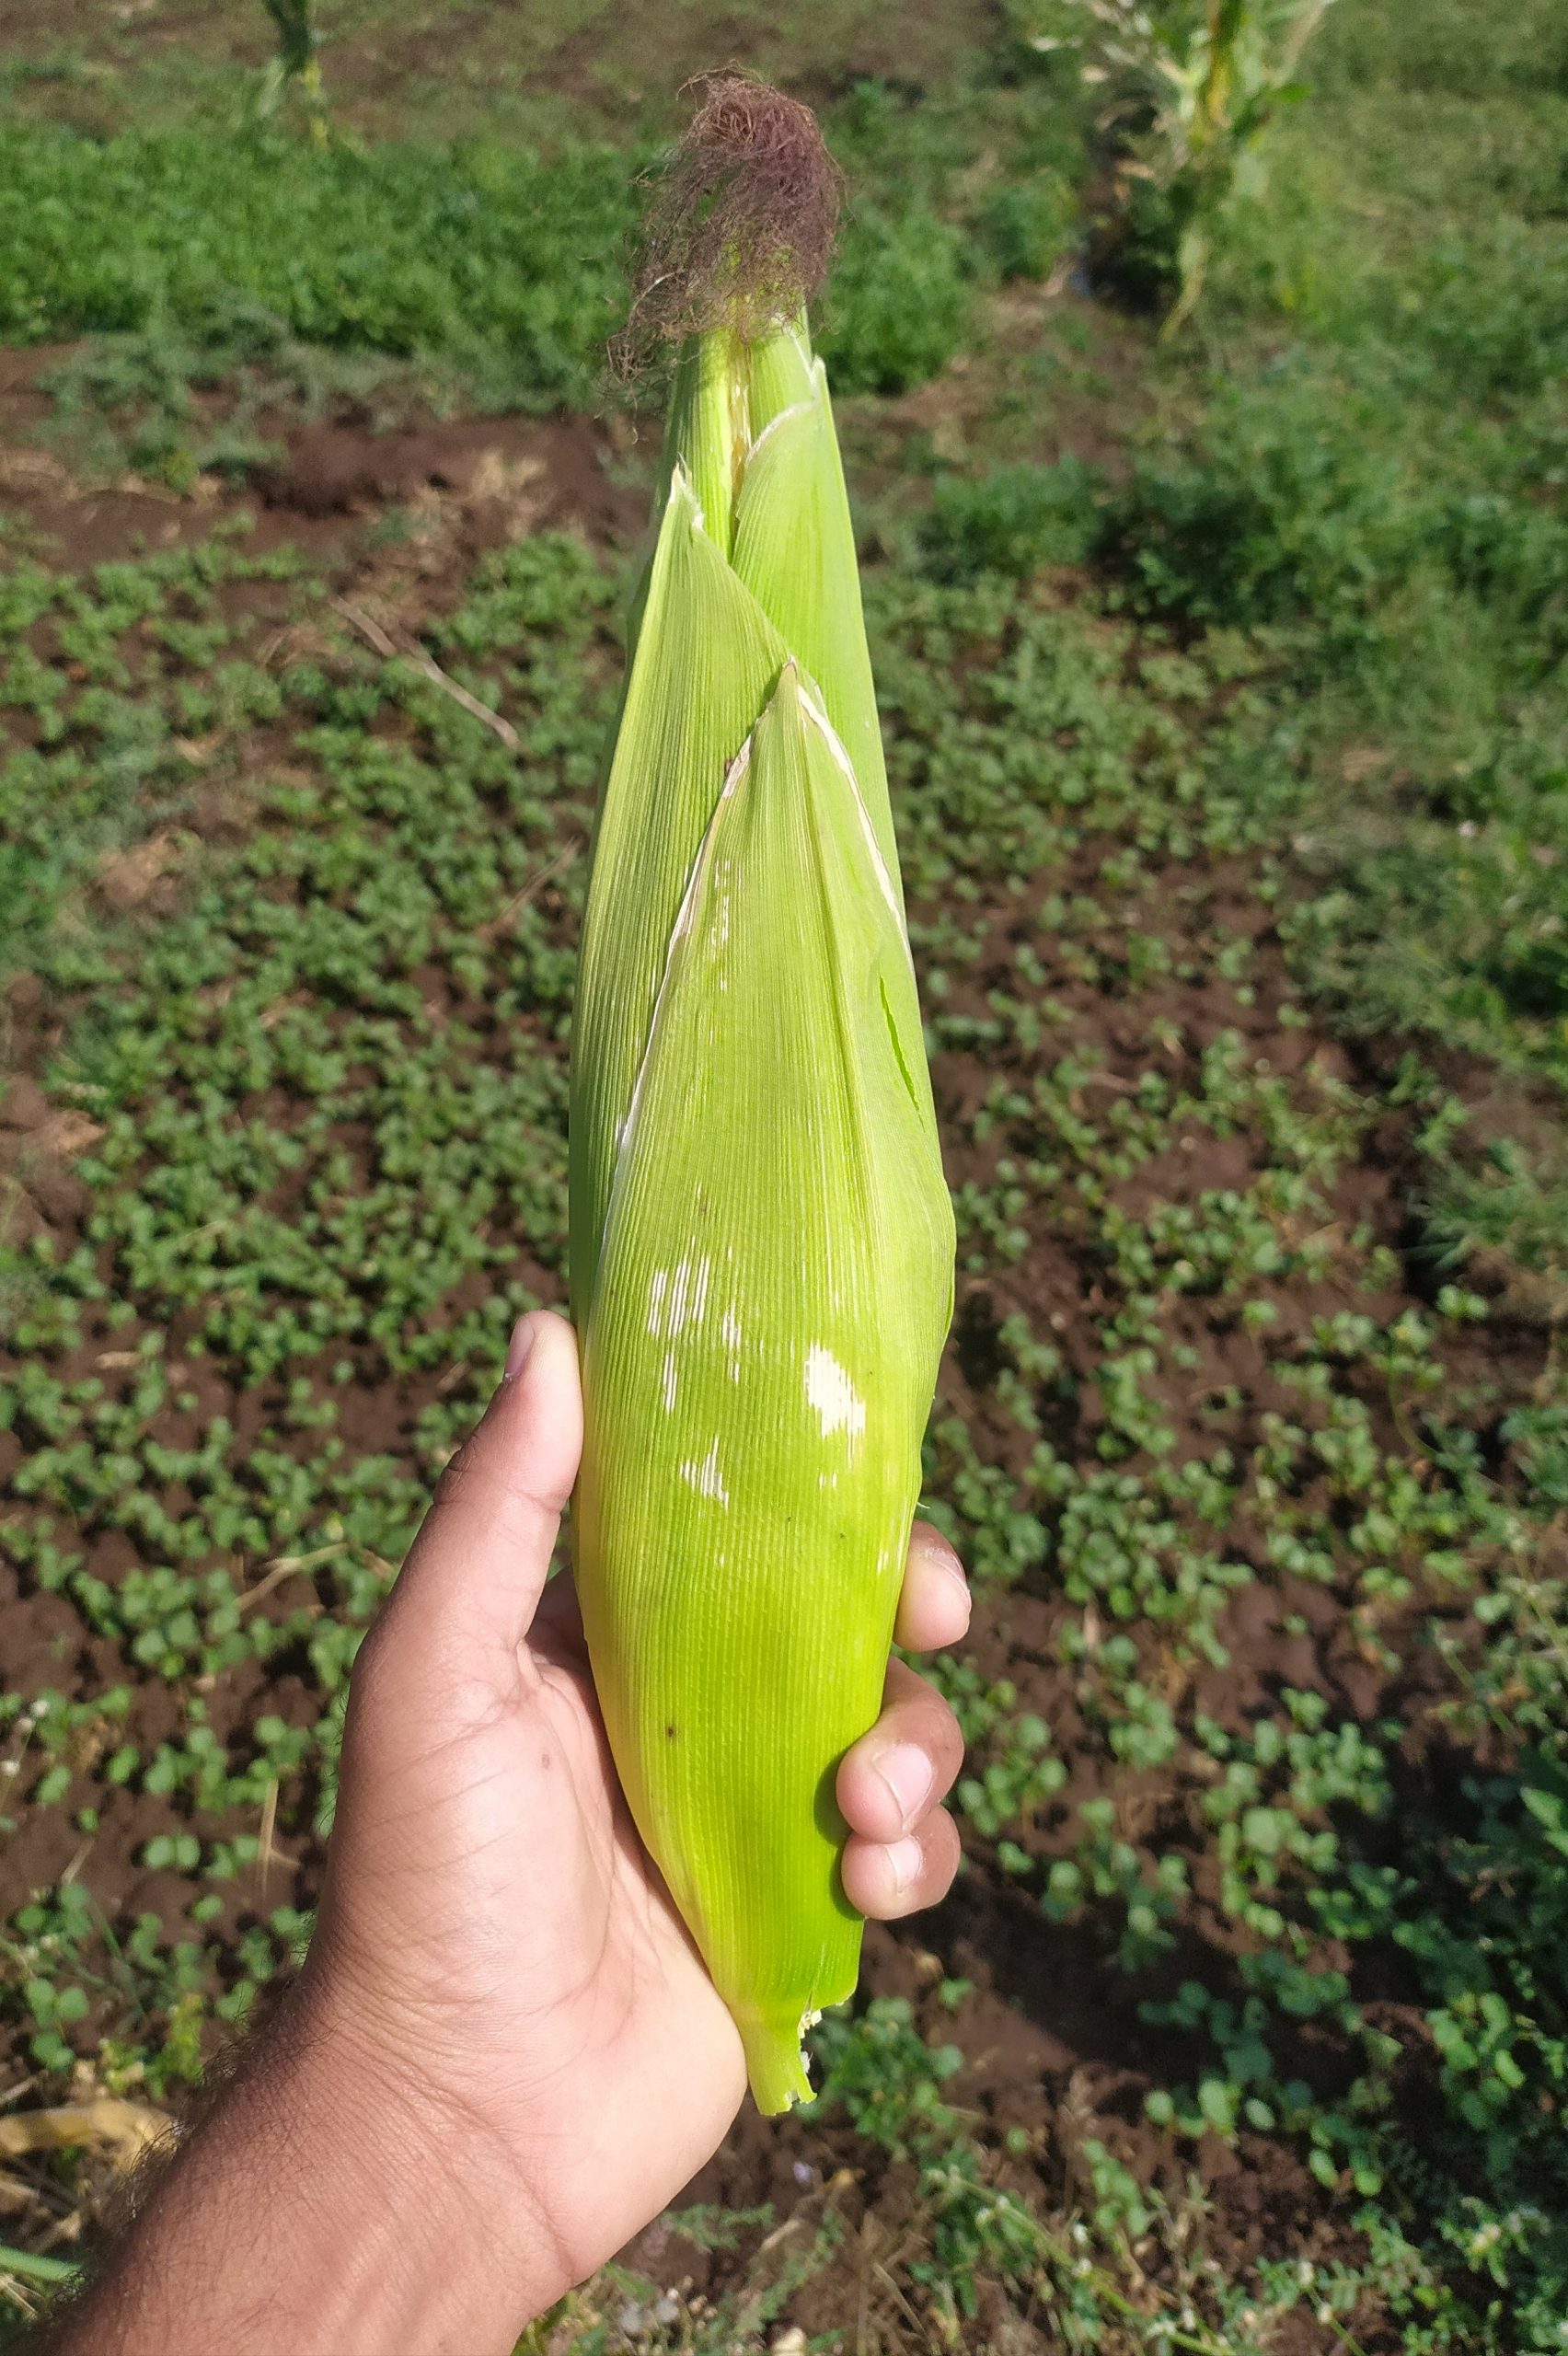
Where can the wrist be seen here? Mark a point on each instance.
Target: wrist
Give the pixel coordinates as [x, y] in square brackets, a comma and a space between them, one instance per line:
[437, 2218]
[325, 2207]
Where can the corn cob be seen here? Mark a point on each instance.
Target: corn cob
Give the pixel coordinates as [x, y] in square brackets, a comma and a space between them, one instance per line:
[762, 1242]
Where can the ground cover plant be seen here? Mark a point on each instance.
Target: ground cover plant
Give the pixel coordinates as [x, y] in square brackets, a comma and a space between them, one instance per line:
[1221, 687]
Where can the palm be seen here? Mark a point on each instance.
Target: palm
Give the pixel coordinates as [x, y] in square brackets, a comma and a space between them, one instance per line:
[491, 1923]
[557, 1996]
[504, 2056]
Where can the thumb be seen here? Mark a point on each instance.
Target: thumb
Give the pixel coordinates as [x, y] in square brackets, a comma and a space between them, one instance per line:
[474, 1574]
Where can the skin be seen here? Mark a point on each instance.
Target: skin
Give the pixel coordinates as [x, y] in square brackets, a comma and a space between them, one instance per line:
[503, 2056]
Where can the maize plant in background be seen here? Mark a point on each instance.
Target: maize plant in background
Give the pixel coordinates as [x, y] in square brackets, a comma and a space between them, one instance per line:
[762, 1240]
[295, 66]
[1193, 85]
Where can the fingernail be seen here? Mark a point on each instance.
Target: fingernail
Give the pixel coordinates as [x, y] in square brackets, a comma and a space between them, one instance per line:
[907, 1774]
[904, 1859]
[517, 1352]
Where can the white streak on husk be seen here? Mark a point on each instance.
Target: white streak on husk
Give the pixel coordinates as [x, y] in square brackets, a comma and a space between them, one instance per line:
[705, 1477]
[831, 1393]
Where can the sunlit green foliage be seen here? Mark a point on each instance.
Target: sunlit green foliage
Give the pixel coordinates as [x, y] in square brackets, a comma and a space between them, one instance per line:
[1190, 88]
[1301, 628]
[297, 65]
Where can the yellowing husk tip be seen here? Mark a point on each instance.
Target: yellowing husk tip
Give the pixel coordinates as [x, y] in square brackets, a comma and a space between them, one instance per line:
[776, 2059]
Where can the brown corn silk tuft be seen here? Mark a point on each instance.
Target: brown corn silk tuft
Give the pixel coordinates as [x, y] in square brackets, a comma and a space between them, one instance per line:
[740, 225]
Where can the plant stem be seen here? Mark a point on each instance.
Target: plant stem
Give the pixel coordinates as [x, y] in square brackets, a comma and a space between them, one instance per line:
[35, 2265]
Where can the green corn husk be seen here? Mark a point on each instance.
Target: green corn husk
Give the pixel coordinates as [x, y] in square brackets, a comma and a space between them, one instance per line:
[762, 1242]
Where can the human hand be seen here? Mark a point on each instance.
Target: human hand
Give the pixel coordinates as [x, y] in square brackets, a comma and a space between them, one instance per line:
[494, 1942]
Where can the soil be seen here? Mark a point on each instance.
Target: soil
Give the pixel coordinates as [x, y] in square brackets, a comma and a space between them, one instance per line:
[1052, 2037]
[458, 488]
[601, 68]
[1052, 2040]
[333, 482]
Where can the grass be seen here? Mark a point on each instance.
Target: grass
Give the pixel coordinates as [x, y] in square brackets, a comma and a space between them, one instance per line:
[496, 260]
[1354, 461]
[1223, 691]
[1400, 456]
[268, 1275]
[504, 265]
[582, 70]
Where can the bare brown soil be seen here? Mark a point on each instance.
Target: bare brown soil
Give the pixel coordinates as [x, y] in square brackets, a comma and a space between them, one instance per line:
[600, 65]
[1050, 2031]
[490, 476]
[1053, 2045]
